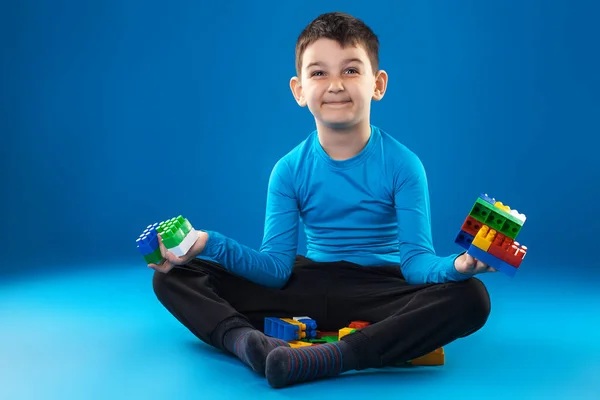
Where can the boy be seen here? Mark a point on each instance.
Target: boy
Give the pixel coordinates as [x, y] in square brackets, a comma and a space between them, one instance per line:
[363, 198]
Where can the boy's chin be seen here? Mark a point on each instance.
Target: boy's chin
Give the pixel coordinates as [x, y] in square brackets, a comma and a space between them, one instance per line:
[338, 123]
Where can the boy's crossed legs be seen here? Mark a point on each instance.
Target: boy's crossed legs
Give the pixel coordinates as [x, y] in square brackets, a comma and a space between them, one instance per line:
[408, 321]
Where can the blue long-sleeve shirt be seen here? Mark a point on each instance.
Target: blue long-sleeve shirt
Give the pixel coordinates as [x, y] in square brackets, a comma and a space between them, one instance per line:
[372, 209]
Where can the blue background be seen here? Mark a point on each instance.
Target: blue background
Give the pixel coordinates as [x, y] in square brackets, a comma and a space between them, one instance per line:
[115, 115]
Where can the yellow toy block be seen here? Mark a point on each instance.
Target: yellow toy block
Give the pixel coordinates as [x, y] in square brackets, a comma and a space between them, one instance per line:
[297, 343]
[345, 331]
[436, 357]
[300, 325]
[484, 238]
[501, 206]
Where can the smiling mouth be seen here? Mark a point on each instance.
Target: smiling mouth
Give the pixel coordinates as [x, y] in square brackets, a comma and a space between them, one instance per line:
[337, 102]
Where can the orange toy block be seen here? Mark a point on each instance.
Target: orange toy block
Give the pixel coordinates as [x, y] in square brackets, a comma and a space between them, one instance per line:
[484, 238]
[436, 357]
[358, 324]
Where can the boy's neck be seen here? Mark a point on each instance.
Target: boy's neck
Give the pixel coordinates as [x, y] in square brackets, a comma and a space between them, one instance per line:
[342, 144]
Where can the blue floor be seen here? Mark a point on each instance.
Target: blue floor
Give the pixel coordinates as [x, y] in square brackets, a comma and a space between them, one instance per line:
[101, 334]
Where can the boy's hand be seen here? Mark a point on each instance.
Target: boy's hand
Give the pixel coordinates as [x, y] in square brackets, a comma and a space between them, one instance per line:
[170, 260]
[469, 265]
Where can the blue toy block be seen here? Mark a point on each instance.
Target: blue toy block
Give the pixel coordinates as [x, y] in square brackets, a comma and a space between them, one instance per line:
[464, 239]
[280, 329]
[492, 261]
[487, 198]
[147, 242]
[311, 327]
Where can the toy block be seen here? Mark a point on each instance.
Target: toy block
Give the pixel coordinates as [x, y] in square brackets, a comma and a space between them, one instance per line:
[278, 328]
[325, 339]
[492, 261]
[147, 244]
[177, 235]
[301, 332]
[485, 197]
[508, 250]
[517, 215]
[345, 331]
[297, 343]
[311, 326]
[471, 226]
[330, 339]
[358, 324]
[464, 239]
[324, 334]
[500, 246]
[488, 234]
[484, 238]
[436, 357]
[496, 218]
[516, 255]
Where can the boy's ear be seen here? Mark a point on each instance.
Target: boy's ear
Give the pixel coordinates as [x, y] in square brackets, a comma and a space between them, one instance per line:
[381, 80]
[296, 88]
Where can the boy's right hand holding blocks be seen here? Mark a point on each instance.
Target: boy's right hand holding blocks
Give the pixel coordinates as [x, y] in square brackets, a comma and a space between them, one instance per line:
[489, 232]
[169, 243]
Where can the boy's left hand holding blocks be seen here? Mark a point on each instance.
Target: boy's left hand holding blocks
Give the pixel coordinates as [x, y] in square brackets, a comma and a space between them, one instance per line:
[172, 242]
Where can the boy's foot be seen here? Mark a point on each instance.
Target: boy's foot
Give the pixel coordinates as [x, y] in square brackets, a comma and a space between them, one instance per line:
[286, 366]
[252, 347]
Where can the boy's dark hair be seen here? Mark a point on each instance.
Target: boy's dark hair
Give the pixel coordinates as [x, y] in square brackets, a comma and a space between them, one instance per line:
[345, 29]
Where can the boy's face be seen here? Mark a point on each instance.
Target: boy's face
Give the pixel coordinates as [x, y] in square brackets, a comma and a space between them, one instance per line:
[337, 84]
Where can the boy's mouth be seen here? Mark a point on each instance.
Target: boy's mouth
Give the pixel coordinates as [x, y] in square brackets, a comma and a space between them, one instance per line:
[337, 103]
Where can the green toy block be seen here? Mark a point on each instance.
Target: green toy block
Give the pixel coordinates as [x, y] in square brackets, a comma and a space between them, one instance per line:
[173, 231]
[153, 258]
[324, 339]
[496, 218]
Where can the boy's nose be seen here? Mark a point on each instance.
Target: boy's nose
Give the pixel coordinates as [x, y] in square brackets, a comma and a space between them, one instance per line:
[336, 86]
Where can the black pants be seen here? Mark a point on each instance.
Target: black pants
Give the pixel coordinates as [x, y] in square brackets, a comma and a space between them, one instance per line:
[407, 320]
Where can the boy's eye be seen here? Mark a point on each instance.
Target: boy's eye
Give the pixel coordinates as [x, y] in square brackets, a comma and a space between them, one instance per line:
[319, 73]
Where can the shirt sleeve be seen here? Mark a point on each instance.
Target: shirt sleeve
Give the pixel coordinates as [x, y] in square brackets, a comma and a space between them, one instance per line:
[272, 264]
[418, 260]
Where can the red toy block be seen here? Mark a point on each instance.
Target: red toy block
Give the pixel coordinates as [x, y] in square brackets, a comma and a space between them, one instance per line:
[323, 334]
[471, 225]
[508, 250]
[516, 254]
[358, 324]
[500, 246]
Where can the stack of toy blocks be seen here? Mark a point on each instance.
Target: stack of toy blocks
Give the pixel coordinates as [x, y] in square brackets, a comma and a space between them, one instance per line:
[302, 331]
[489, 232]
[177, 235]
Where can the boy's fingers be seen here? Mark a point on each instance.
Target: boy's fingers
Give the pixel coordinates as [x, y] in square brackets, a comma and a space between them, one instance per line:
[163, 267]
[163, 249]
[172, 258]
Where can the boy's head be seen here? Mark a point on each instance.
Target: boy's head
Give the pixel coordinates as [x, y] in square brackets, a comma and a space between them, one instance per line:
[337, 67]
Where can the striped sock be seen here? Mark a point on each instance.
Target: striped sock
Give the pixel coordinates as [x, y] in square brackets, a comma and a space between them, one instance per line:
[251, 346]
[286, 366]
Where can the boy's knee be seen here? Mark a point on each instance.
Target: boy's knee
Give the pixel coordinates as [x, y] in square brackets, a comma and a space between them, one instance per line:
[161, 284]
[474, 299]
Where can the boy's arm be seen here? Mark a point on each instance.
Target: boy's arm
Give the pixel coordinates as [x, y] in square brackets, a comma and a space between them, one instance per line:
[418, 261]
[272, 265]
